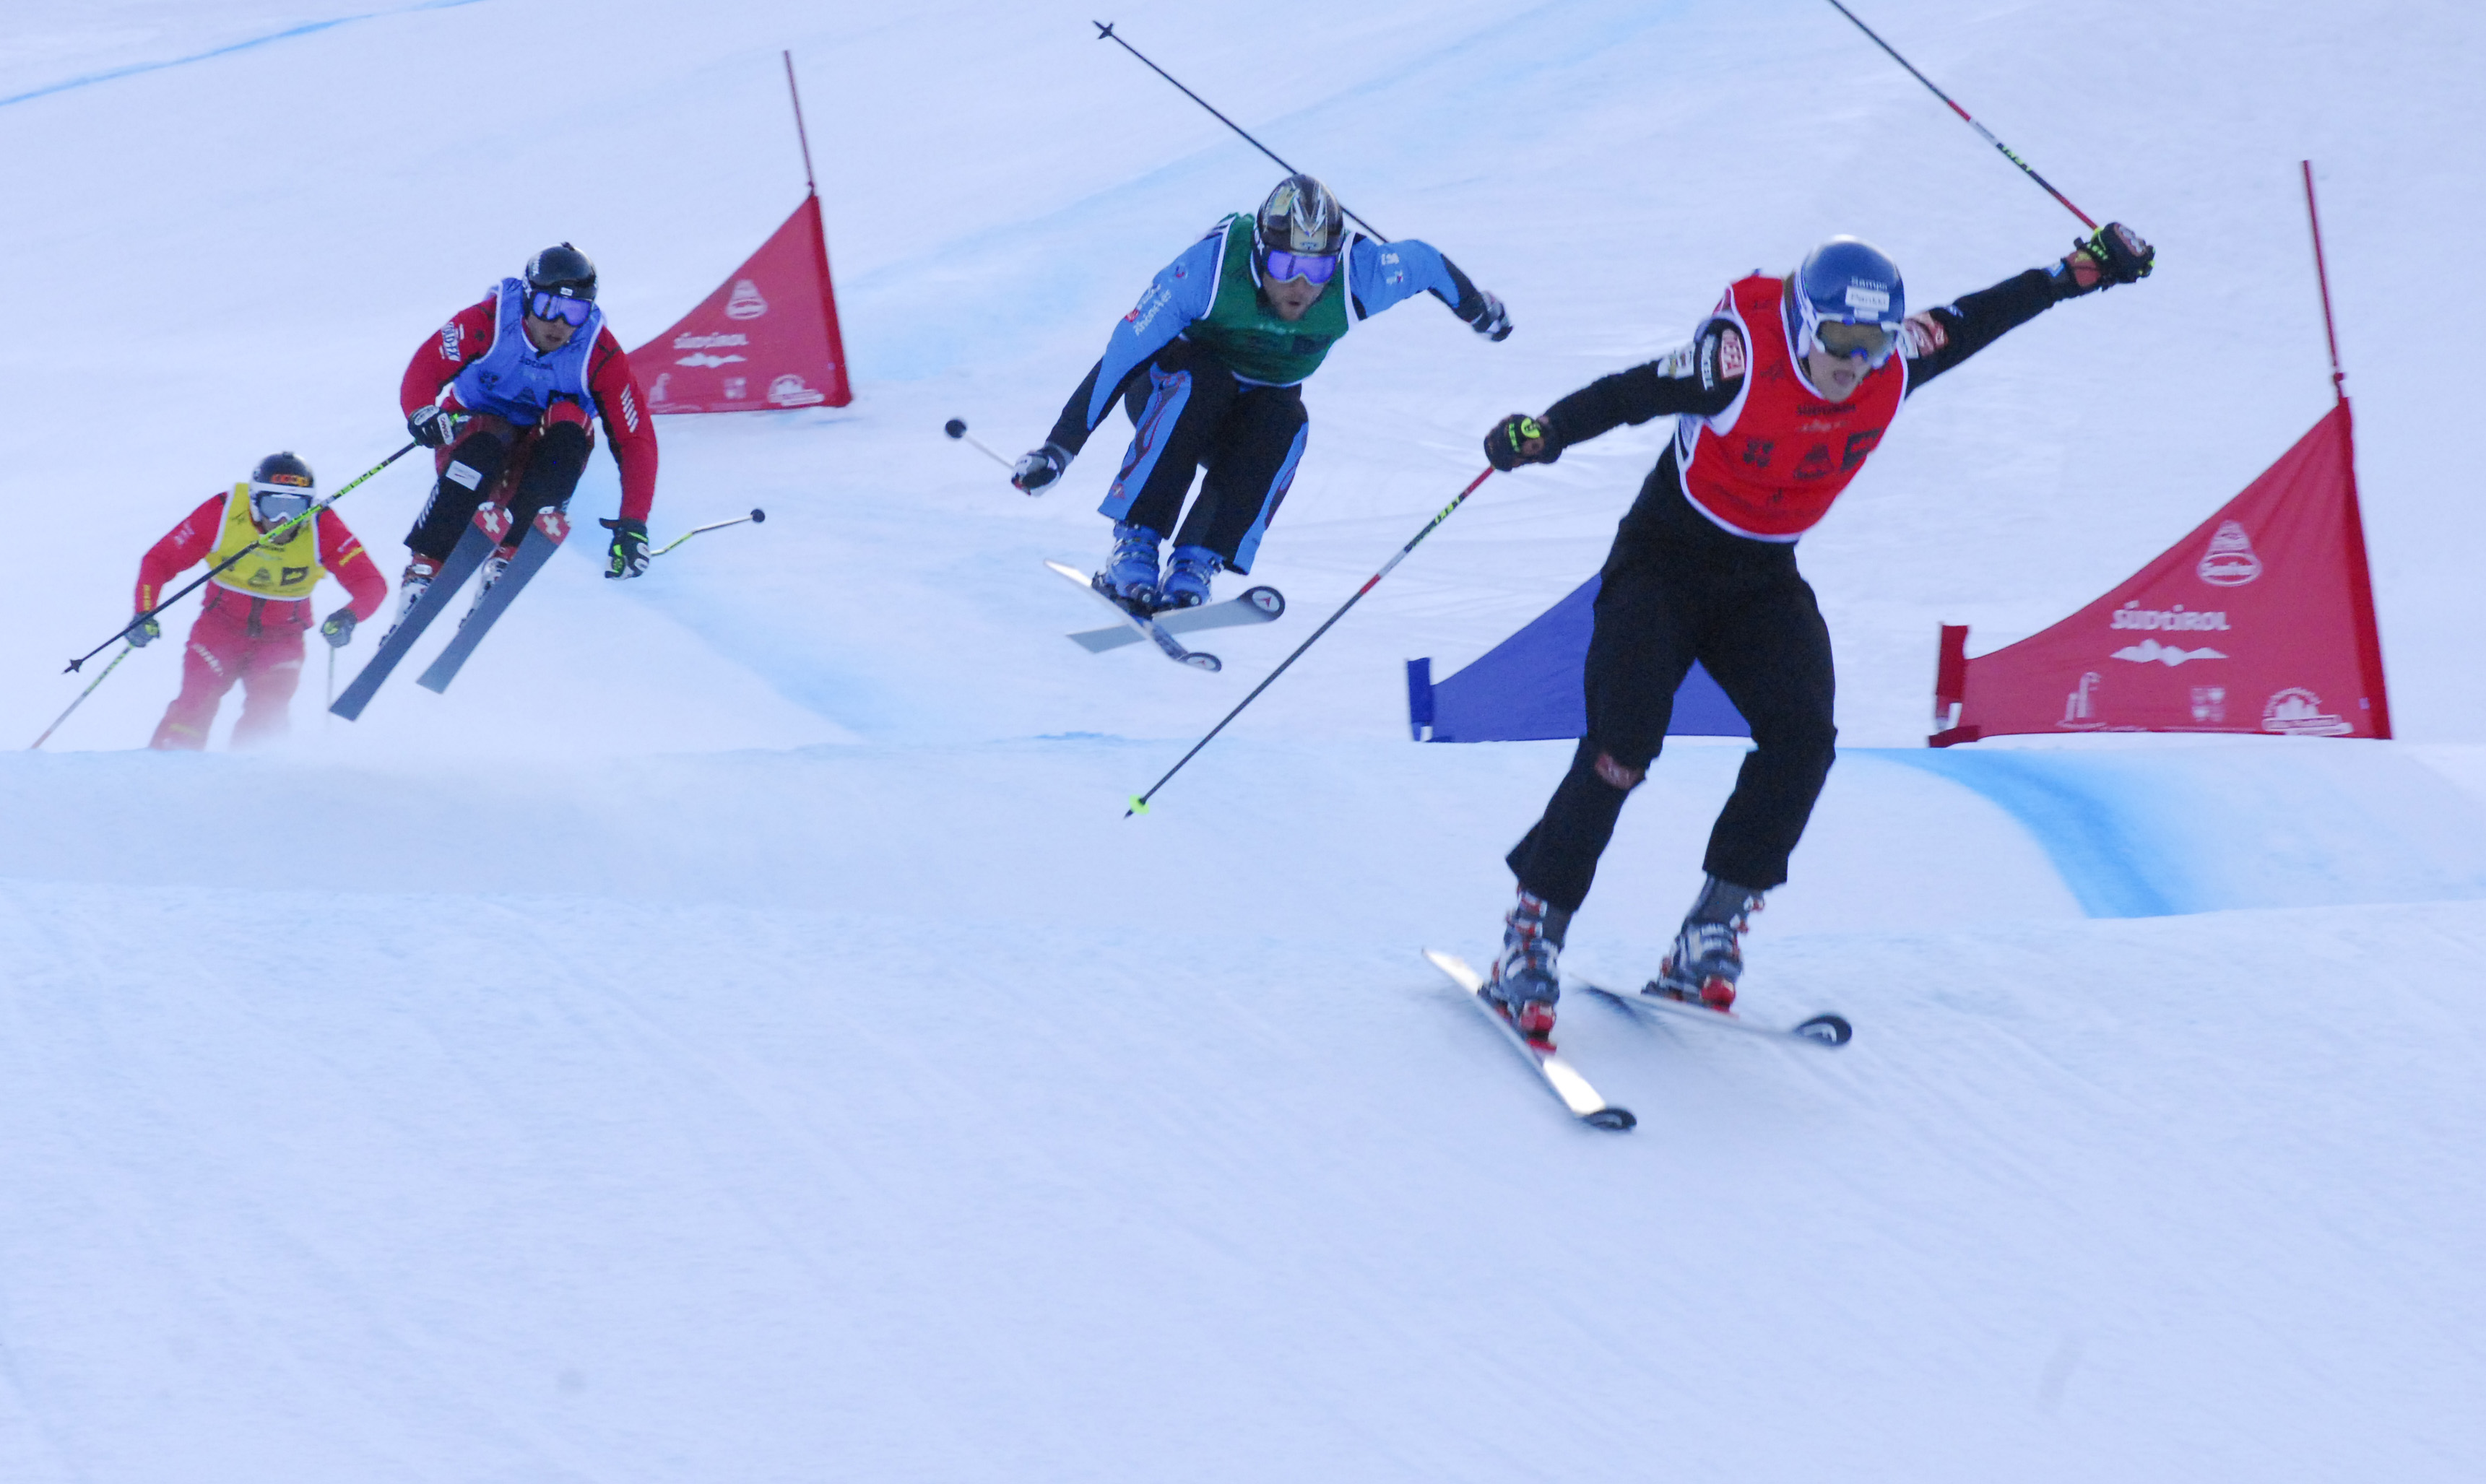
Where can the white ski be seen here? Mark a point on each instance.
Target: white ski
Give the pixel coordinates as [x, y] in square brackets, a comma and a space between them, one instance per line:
[1559, 1077]
[1147, 628]
[1253, 605]
[1826, 1030]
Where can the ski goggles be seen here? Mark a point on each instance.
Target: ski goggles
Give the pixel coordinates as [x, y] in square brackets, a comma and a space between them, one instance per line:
[274, 503]
[1311, 267]
[548, 307]
[1850, 342]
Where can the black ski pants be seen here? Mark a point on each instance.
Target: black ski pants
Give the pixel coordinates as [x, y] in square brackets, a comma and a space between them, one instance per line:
[525, 468]
[1678, 589]
[1188, 411]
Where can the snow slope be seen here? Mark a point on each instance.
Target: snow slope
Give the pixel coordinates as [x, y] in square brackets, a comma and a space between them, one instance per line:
[735, 1033]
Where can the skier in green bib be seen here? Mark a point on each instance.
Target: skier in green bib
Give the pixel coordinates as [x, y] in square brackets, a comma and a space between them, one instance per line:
[1210, 366]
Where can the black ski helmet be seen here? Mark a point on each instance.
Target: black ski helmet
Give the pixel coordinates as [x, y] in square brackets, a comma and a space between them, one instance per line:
[281, 487]
[563, 270]
[1300, 216]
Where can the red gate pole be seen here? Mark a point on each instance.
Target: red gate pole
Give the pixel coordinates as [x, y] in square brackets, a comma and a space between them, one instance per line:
[842, 388]
[2322, 275]
[801, 133]
[2360, 577]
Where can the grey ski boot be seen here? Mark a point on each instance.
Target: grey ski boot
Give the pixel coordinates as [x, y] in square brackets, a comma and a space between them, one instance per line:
[1708, 955]
[1523, 983]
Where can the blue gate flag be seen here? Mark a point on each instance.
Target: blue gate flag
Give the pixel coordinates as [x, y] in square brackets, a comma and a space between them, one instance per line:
[1528, 687]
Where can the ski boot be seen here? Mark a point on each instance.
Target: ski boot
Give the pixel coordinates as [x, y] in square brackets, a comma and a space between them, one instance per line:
[493, 567]
[1524, 985]
[1130, 577]
[1708, 955]
[411, 587]
[1186, 577]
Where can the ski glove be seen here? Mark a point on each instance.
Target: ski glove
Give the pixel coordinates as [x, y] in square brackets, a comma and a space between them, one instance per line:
[432, 425]
[2115, 255]
[629, 555]
[1039, 467]
[143, 632]
[1520, 439]
[339, 630]
[1490, 319]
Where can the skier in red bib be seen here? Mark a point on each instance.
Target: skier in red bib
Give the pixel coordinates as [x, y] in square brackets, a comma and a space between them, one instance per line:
[1784, 391]
[249, 630]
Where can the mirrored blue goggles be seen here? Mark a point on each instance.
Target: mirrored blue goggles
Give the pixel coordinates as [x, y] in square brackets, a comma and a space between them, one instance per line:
[1873, 342]
[1311, 267]
[570, 311]
[274, 504]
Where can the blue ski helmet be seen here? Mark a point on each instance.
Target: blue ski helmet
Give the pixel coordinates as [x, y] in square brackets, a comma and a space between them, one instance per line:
[1849, 282]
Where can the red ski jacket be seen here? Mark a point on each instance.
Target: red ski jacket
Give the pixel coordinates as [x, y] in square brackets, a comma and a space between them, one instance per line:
[618, 398]
[188, 543]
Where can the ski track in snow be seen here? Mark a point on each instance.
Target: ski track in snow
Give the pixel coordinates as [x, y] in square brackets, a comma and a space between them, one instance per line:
[733, 1035]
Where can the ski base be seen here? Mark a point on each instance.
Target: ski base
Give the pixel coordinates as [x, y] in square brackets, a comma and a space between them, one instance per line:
[1147, 627]
[1826, 1030]
[490, 524]
[551, 528]
[1253, 605]
[1559, 1077]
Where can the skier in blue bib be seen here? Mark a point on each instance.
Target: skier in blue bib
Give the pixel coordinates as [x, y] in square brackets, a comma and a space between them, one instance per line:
[1210, 366]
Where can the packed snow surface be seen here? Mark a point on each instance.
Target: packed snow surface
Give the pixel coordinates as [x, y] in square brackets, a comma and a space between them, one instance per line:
[735, 1033]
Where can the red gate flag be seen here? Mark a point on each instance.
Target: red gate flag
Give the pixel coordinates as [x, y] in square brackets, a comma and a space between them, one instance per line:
[767, 339]
[2261, 620]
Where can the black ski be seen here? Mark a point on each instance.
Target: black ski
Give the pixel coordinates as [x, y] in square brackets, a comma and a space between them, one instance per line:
[1826, 1030]
[1147, 627]
[1253, 605]
[543, 536]
[490, 524]
[1558, 1076]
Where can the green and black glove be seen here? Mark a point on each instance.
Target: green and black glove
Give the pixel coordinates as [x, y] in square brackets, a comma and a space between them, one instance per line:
[1520, 439]
[628, 554]
[2115, 254]
[143, 632]
[338, 629]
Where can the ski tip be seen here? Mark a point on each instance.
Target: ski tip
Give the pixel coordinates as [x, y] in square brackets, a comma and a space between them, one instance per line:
[1827, 1030]
[955, 427]
[1618, 1120]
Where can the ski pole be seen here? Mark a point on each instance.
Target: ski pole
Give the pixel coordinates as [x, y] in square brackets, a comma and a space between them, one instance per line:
[755, 516]
[956, 427]
[271, 537]
[1105, 33]
[1971, 122]
[82, 696]
[1140, 803]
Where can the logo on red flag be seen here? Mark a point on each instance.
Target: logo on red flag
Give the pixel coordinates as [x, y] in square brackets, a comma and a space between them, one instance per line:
[2229, 562]
[2295, 623]
[772, 324]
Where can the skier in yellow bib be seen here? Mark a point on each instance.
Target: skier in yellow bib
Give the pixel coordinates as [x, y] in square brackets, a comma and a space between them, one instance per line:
[257, 609]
